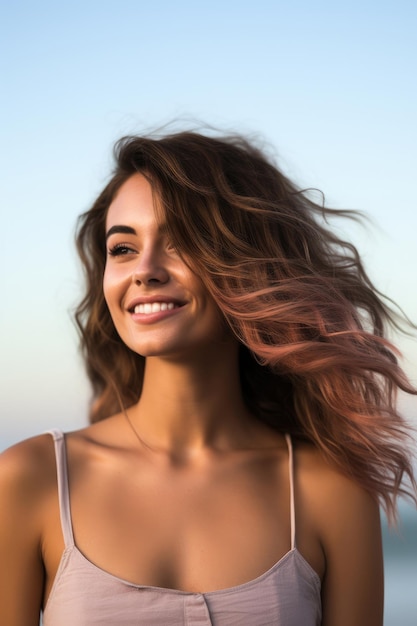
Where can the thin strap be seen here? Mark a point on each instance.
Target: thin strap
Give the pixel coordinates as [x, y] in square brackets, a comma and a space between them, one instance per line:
[292, 500]
[63, 487]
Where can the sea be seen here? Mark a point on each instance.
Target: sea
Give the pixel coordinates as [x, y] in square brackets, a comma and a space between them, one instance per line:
[400, 558]
[400, 565]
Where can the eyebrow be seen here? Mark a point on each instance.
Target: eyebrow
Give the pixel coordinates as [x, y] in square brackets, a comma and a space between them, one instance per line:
[119, 228]
[128, 230]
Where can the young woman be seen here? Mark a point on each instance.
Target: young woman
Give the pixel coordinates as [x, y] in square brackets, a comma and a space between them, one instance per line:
[244, 429]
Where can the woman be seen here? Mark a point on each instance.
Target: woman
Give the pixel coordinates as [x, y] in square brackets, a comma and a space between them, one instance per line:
[243, 423]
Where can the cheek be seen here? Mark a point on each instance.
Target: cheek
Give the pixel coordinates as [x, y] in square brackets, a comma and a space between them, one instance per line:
[111, 290]
[215, 316]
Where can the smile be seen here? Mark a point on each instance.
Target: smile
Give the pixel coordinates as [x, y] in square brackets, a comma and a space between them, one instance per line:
[154, 307]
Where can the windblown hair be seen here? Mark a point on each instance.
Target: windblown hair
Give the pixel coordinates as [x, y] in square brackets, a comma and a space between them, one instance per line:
[314, 358]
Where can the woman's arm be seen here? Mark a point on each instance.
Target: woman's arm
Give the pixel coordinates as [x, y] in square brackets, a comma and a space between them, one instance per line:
[353, 586]
[23, 481]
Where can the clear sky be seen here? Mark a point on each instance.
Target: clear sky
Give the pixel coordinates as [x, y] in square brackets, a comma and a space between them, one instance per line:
[332, 87]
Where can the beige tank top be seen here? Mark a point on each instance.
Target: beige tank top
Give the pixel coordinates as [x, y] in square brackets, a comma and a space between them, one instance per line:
[288, 594]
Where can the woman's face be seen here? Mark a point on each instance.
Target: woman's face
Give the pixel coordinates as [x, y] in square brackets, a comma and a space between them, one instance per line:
[158, 305]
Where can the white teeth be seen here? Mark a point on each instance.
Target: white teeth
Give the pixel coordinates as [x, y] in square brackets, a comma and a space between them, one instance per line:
[153, 307]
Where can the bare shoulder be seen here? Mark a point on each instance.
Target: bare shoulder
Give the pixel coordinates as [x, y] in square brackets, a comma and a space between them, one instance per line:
[332, 495]
[28, 462]
[28, 467]
[27, 486]
[346, 522]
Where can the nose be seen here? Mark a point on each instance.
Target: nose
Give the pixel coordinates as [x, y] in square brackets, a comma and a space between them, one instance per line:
[150, 269]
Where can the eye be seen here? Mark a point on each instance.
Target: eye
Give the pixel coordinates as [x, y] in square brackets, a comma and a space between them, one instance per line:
[121, 249]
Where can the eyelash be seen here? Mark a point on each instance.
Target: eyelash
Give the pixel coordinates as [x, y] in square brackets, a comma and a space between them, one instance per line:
[120, 249]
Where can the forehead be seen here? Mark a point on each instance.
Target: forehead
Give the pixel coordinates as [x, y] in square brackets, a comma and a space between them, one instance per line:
[133, 202]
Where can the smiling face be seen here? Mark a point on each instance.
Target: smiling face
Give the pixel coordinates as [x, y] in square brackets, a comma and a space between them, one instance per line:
[158, 305]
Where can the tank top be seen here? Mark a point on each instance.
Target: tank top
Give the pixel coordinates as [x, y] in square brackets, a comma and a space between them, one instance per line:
[288, 594]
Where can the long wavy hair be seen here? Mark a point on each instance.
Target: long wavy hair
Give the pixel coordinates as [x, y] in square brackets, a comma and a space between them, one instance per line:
[314, 358]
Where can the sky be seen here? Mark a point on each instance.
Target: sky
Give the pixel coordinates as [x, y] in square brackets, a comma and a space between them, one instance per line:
[331, 87]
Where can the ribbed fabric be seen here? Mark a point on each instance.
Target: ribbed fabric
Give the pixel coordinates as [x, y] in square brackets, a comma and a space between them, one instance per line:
[288, 594]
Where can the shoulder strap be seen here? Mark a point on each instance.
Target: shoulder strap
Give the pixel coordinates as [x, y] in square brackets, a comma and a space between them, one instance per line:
[63, 486]
[292, 498]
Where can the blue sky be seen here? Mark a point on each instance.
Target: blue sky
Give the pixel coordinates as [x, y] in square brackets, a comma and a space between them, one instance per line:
[331, 87]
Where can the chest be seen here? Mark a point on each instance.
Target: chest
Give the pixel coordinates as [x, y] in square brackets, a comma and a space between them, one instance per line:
[196, 530]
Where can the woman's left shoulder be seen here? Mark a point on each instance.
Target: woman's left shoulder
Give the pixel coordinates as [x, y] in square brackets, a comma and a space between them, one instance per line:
[346, 522]
[344, 515]
[328, 486]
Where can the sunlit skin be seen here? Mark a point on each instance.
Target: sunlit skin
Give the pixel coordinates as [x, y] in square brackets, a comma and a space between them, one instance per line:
[189, 349]
[142, 266]
[200, 501]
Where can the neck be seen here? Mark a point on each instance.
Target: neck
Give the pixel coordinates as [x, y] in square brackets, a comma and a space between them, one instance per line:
[186, 407]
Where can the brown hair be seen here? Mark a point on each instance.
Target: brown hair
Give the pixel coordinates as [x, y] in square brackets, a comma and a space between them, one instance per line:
[314, 359]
